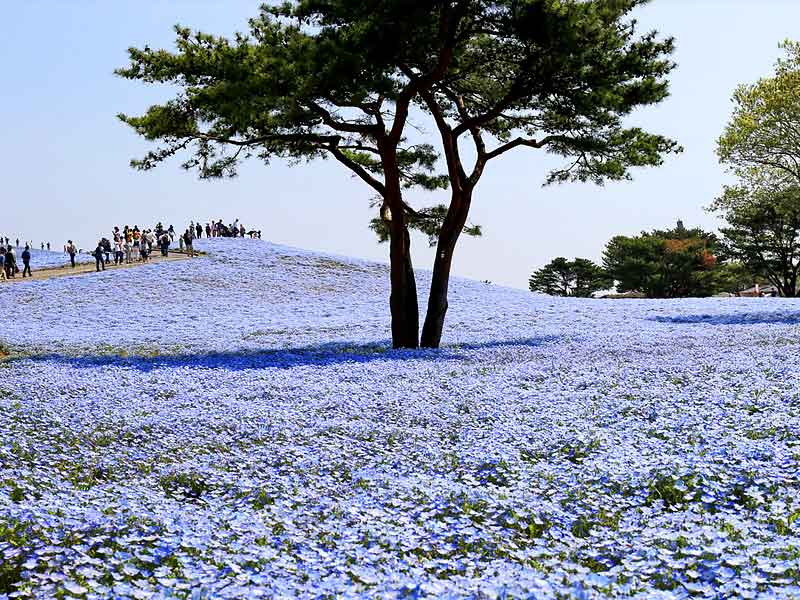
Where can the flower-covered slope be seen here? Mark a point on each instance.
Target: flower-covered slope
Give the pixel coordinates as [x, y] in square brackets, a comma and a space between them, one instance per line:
[236, 426]
[46, 259]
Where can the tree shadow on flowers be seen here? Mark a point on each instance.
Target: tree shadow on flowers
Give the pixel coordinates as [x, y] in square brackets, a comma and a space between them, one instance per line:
[316, 356]
[759, 318]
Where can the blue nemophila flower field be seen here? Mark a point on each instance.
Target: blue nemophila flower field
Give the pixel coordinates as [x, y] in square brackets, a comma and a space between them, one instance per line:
[237, 426]
[46, 259]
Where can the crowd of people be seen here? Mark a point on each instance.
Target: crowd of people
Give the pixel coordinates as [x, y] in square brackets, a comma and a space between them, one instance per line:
[127, 245]
[9, 266]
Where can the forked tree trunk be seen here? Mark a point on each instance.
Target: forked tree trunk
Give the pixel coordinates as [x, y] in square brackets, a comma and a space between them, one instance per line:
[440, 281]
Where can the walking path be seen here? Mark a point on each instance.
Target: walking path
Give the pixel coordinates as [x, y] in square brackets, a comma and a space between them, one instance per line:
[86, 268]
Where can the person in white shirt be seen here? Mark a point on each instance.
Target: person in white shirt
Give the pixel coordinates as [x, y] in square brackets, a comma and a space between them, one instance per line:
[119, 252]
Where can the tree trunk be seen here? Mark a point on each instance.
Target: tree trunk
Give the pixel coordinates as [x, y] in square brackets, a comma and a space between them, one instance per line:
[437, 299]
[403, 299]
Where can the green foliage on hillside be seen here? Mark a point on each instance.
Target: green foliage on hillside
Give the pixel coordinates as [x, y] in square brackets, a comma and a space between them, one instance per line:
[561, 277]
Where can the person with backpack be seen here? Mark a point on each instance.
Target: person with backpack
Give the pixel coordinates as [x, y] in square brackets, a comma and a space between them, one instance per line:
[107, 249]
[163, 243]
[98, 257]
[26, 261]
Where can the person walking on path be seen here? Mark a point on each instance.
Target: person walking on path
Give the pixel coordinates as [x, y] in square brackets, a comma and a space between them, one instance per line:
[72, 251]
[144, 250]
[2, 263]
[163, 243]
[98, 257]
[106, 249]
[128, 247]
[119, 252]
[187, 240]
[26, 261]
[208, 230]
[199, 229]
[11, 262]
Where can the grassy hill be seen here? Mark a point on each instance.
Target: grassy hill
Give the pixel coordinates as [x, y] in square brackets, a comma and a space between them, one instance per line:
[238, 426]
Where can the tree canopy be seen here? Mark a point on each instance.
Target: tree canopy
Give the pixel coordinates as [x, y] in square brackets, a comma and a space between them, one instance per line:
[761, 146]
[672, 263]
[343, 79]
[579, 278]
[763, 231]
[763, 134]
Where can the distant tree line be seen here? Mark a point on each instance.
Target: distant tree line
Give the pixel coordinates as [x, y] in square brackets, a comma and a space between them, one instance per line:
[760, 241]
[669, 263]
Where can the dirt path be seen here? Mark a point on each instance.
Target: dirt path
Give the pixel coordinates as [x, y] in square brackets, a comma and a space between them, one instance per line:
[87, 268]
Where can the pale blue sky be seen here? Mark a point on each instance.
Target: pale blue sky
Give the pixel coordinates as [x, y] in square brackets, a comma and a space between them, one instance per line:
[65, 157]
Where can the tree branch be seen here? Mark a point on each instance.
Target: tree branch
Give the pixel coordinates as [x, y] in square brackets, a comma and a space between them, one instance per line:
[345, 126]
[447, 31]
[454, 168]
[312, 138]
[520, 142]
[356, 168]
